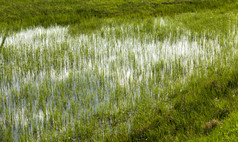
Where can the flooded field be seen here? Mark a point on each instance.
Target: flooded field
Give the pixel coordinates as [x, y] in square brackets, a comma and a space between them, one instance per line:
[52, 81]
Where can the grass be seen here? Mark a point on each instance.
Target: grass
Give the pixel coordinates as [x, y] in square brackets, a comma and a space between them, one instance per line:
[112, 71]
[227, 131]
[17, 14]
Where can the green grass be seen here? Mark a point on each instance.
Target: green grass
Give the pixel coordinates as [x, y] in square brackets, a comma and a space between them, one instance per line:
[118, 70]
[205, 99]
[225, 131]
[18, 14]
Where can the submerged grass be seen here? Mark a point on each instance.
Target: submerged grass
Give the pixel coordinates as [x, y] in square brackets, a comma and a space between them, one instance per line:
[104, 78]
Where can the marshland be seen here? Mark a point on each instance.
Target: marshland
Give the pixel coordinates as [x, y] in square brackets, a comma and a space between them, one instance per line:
[152, 70]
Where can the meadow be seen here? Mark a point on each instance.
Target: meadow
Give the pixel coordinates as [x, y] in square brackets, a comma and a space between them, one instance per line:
[75, 70]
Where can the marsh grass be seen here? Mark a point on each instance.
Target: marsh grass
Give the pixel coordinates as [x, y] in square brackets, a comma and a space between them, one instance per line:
[126, 78]
[108, 83]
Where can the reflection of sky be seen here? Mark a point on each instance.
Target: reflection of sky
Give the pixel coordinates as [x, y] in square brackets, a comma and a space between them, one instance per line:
[37, 37]
[120, 58]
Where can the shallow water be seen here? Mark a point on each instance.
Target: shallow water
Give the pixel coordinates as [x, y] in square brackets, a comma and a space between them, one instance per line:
[87, 69]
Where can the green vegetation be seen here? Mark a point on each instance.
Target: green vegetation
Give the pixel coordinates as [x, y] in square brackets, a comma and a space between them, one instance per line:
[153, 70]
[17, 14]
[226, 131]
